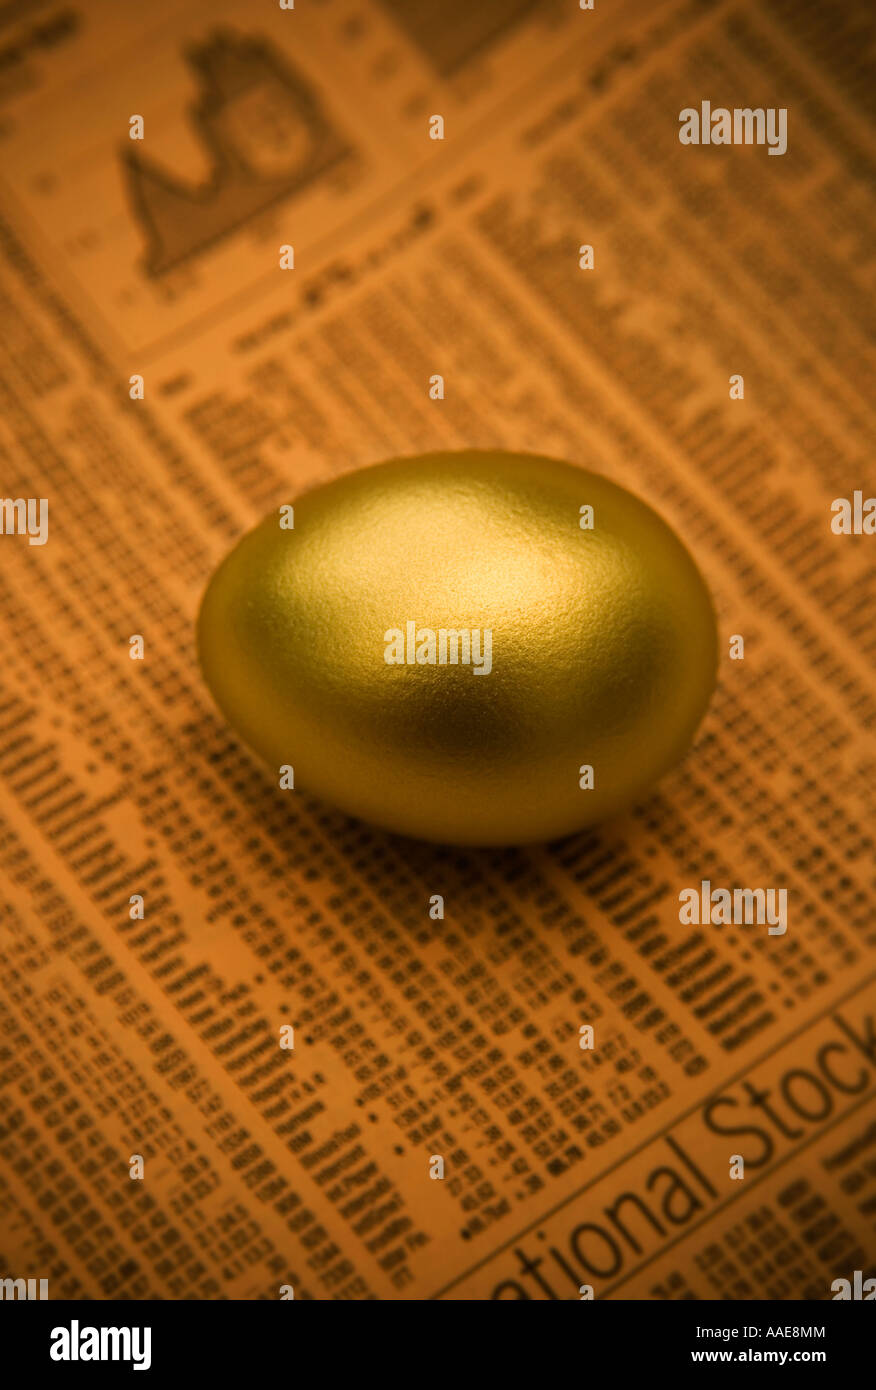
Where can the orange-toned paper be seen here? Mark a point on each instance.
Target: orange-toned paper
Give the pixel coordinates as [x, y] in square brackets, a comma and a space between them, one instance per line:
[166, 911]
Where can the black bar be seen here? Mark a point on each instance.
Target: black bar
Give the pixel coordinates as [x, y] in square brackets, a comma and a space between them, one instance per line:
[387, 1342]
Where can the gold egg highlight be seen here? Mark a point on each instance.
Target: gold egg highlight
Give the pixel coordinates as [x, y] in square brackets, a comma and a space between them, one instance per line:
[472, 648]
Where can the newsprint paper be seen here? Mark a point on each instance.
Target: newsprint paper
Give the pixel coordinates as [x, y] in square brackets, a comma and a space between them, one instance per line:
[235, 247]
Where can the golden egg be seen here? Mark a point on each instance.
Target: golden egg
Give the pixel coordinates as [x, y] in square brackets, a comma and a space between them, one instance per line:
[472, 648]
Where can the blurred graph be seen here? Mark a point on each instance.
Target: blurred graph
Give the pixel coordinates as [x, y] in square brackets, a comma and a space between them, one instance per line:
[266, 135]
[453, 32]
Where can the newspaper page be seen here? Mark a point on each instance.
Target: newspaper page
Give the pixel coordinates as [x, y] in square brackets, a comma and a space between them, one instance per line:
[166, 911]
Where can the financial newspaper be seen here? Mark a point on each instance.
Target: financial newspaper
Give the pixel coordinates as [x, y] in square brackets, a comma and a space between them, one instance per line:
[236, 243]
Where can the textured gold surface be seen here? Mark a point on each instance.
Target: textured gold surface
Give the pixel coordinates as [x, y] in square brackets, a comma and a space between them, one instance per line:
[604, 646]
